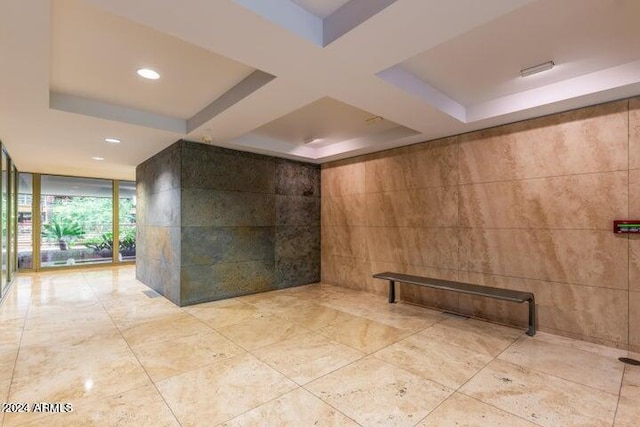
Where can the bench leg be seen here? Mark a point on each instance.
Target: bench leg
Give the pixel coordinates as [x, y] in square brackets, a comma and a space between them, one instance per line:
[392, 291]
[532, 317]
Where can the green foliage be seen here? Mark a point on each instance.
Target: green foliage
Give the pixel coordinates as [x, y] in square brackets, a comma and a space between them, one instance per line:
[105, 242]
[62, 230]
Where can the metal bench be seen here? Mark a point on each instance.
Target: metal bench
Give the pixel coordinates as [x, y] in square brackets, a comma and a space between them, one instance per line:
[465, 288]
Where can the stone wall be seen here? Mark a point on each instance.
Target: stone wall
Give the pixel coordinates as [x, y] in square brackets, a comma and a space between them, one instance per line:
[525, 206]
[248, 223]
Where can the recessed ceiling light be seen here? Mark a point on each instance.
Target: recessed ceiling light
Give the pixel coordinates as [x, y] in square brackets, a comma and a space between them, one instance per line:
[148, 73]
[537, 69]
[312, 140]
[98, 158]
[112, 140]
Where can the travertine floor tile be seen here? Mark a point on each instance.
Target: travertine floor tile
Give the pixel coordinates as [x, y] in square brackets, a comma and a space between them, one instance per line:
[405, 316]
[260, 332]
[373, 392]
[218, 392]
[4, 395]
[294, 409]
[307, 357]
[7, 362]
[541, 398]
[443, 363]
[167, 358]
[591, 369]
[463, 411]
[92, 380]
[11, 332]
[220, 315]
[580, 345]
[628, 413]
[314, 316]
[139, 407]
[52, 358]
[364, 334]
[164, 329]
[476, 335]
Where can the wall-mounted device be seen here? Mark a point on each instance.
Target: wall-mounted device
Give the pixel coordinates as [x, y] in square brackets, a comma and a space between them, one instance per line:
[629, 226]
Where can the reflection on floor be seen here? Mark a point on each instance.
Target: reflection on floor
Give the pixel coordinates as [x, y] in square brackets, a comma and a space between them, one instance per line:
[313, 355]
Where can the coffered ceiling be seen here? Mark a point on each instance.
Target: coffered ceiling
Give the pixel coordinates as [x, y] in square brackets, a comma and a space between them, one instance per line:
[353, 76]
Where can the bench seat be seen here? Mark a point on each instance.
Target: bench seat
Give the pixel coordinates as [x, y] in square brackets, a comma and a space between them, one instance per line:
[465, 288]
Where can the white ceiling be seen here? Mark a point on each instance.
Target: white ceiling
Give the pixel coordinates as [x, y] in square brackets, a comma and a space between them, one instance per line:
[256, 76]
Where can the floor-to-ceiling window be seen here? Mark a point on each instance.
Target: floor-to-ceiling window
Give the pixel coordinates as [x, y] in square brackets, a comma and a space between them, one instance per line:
[25, 221]
[76, 217]
[75, 222]
[127, 220]
[4, 214]
[7, 220]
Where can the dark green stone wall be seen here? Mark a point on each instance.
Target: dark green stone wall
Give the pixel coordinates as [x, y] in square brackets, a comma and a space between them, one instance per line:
[226, 223]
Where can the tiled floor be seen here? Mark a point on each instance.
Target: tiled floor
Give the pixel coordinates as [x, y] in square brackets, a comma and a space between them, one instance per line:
[316, 355]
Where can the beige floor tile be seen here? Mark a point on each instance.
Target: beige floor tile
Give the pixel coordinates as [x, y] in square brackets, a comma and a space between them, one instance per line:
[314, 316]
[632, 375]
[580, 345]
[262, 331]
[52, 357]
[364, 334]
[11, 333]
[227, 313]
[541, 398]
[127, 311]
[139, 407]
[628, 413]
[164, 329]
[7, 361]
[295, 409]
[219, 392]
[463, 411]
[275, 302]
[604, 373]
[307, 357]
[4, 395]
[443, 363]
[405, 316]
[94, 379]
[167, 358]
[373, 392]
[476, 335]
[69, 335]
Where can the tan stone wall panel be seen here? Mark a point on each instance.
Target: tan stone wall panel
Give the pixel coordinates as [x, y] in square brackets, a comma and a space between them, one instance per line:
[593, 139]
[634, 133]
[595, 258]
[342, 178]
[430, 207]
[343, 210]
[579, 310]
[588, 201]
[418, 166]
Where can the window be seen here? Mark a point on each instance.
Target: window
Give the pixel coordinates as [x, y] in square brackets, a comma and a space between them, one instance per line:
[76, 221]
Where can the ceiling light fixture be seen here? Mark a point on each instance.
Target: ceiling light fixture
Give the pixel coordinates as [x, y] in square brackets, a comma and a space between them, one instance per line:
[537, 69]
[98, 158]
[148, 73]
[112, 140]
[312, 140]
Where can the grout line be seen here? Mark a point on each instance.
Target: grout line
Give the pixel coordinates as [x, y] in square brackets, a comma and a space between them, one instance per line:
[615, 415]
